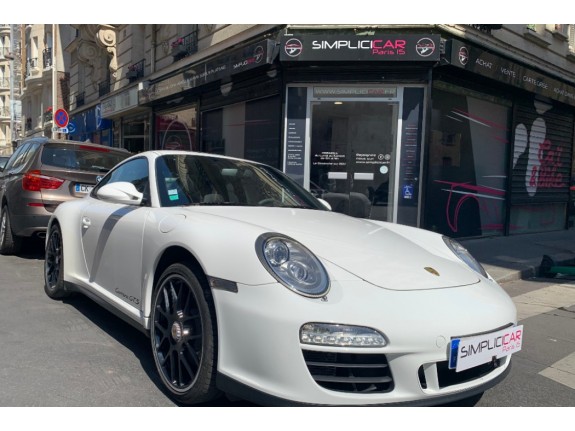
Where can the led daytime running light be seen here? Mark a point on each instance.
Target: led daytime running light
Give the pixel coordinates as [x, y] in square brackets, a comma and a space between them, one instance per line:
[325, 334]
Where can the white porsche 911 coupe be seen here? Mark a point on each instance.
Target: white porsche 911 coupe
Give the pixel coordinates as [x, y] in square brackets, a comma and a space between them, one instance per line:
[248, 285]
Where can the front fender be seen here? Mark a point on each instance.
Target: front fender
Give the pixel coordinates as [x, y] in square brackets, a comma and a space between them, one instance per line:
[223, 249]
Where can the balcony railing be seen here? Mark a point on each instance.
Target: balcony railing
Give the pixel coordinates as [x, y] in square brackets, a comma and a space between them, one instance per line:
[487, 28]
[47, 58]
[4, 112]
[185, 46]
[104, 87]
[135, 71]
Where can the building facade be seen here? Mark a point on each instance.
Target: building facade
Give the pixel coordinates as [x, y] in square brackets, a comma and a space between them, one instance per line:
[467, 130]
[45, 77]
[10, 88]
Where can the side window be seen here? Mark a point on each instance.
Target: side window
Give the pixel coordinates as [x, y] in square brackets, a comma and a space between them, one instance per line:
[135, 172]
[16, 158]
[32, 150]
[173, 188]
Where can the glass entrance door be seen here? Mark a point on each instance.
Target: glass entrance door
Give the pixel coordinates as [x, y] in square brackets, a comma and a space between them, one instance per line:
[353, 156]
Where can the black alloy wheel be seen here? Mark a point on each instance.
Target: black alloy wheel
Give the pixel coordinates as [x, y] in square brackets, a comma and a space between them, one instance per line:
[9, 243]
[183, 335]
[54, 265]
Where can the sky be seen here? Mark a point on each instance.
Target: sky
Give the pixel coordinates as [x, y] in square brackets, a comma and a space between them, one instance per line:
[292, 12]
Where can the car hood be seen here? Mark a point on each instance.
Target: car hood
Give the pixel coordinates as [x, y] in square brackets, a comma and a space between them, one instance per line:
[384, 254]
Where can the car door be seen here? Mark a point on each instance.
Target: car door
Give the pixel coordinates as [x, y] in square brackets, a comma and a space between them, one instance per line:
[112, 236]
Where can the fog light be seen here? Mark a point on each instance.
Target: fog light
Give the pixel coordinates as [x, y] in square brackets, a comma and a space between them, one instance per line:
[327, 334]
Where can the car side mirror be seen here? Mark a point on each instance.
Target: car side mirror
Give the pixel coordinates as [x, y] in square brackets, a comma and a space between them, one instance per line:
[120, 193]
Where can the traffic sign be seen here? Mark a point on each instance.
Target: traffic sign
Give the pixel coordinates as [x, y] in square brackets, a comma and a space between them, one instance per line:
[61, 118]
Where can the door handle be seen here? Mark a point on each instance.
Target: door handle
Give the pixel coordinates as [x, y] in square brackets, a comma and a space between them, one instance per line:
[86, 222]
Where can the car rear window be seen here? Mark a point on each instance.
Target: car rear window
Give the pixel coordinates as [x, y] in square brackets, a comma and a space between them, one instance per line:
[82, 158]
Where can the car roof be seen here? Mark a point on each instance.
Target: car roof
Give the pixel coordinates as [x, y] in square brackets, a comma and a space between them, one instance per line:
[43, 140]
[159, 153]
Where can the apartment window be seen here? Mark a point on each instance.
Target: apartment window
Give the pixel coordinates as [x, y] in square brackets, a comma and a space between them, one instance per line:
[561, 29]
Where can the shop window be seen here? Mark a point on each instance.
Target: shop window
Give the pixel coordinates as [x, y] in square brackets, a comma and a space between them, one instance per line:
[249, 130]
[176, 130]
[467, 169]
[136, 134]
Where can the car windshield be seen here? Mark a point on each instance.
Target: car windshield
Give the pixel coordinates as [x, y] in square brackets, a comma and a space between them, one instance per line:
[202, 180]
[82, 157]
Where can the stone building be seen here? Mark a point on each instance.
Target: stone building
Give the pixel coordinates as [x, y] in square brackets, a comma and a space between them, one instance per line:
[466, 130]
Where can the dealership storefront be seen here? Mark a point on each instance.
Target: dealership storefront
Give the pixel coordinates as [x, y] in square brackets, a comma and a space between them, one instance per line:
[355, 119]
[473, 145]
[409, 128]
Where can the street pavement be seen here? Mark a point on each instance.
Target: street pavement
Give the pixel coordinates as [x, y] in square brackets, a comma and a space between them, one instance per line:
[518, 257]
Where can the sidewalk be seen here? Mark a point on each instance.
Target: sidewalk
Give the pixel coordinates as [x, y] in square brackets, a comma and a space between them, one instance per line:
[514, 257]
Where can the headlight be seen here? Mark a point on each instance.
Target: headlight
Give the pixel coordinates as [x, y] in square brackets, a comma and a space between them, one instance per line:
[292, 265]
[462, 253]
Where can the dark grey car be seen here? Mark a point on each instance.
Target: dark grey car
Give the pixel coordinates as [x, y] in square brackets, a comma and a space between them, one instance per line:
[41, 174]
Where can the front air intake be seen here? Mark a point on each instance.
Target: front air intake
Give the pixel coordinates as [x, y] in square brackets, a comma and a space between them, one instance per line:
[350, 372]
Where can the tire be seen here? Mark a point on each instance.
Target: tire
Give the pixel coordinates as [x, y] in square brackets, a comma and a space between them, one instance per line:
[183, 336]
[54, 265]
[9, 243]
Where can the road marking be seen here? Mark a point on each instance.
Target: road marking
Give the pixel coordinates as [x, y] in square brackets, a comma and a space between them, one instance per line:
[562, 371]
[544, 300]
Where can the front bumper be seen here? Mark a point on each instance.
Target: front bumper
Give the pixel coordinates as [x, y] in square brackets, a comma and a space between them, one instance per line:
[242, 391]
[259, 348]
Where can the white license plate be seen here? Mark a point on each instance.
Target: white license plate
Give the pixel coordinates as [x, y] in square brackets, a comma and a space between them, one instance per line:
[469, 352]
[83, 188]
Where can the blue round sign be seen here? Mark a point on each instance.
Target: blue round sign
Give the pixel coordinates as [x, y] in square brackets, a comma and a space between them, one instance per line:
[61, 118]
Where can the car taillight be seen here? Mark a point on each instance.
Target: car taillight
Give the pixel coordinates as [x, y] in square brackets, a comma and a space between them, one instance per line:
[34, 181]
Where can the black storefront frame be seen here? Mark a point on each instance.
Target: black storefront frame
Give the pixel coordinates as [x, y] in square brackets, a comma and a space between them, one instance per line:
[307, 57]
[343, 78]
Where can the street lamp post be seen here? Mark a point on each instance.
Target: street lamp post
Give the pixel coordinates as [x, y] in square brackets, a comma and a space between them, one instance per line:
[54, 77]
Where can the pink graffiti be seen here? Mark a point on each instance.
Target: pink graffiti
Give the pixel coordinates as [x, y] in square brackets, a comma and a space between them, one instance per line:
[474, 192]
[547, 175]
